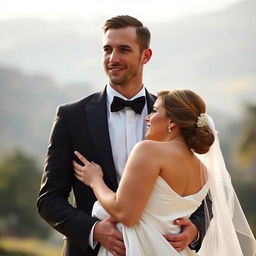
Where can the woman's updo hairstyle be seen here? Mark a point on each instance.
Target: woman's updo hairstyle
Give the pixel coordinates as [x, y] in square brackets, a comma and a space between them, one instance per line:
[184, 107]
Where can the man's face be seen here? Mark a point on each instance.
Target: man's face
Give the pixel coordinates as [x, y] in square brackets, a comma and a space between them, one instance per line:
[122, 59]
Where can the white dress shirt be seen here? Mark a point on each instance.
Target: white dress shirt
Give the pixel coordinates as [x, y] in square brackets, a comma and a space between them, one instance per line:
[126, 128]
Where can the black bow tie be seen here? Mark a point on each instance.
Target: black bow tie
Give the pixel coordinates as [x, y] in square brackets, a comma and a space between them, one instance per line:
[137, 104]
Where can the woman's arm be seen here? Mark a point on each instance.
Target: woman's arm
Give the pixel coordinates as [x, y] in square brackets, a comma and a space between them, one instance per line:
[140, 174]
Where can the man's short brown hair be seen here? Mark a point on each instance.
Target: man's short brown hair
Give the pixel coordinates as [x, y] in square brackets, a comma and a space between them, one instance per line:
[122, 21]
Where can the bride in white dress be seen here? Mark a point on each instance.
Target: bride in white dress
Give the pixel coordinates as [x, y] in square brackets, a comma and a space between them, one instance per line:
[164, 179]
[146, 236]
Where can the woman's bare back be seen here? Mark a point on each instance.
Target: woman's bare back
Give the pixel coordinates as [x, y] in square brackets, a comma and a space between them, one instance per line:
[180, 167]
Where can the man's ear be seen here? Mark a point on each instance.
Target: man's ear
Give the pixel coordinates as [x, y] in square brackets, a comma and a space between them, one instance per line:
[147, 53]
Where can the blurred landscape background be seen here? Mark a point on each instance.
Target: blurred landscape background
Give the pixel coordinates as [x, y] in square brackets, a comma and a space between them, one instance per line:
[45, 63]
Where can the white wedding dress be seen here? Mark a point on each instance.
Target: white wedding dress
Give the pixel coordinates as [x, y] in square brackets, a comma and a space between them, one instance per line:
[146, 237]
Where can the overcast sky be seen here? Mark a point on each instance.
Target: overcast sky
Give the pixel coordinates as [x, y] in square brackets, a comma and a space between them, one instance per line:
[148, 10]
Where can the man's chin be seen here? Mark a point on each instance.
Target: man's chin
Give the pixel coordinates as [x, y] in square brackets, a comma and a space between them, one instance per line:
[117, 82]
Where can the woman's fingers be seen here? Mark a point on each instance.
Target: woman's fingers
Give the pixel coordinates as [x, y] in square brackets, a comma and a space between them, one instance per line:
[78, 169]
[77, 176]
[81, 158]
[77, 166]
[78, 172]
[85, 173]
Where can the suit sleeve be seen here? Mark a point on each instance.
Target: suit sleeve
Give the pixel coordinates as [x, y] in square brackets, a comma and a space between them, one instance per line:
[56, 184]
[199, 219]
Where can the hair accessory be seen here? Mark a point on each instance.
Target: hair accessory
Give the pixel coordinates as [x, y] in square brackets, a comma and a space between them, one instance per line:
[202, 120]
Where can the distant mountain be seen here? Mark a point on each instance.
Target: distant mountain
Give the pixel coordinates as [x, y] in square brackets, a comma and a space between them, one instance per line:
[68, 50]
[27, 108]
[213, 54]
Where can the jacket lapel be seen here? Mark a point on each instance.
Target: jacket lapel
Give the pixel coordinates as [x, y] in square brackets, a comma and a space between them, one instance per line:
[96, 111]
[150, 101]
[97, 118]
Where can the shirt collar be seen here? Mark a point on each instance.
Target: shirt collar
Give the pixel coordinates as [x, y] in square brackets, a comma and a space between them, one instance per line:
[112, 92]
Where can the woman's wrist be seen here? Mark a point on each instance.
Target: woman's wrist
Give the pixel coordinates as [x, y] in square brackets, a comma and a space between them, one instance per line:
[96, 182]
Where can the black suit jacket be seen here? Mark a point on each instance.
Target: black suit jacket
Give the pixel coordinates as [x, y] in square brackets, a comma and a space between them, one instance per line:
[80, 126]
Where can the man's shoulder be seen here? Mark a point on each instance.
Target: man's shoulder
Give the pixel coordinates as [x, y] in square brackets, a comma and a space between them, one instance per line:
[150, 96]
[80, 103]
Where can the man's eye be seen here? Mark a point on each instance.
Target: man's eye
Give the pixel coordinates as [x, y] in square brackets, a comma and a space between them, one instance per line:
[107, 50]
[125, 50]
[154, 111]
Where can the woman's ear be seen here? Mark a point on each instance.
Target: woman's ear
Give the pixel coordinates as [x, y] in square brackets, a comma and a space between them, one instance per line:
[172, 124]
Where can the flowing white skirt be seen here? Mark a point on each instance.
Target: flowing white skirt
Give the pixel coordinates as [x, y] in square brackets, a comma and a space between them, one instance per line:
[146, 237]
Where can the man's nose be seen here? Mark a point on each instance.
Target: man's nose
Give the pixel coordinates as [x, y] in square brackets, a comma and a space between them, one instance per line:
[114, 57]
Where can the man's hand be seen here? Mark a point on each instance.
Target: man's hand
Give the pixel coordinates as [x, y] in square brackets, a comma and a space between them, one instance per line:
[189, 233]
[106, 233]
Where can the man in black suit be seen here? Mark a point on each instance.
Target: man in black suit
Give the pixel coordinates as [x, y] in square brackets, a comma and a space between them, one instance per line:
[94, 127]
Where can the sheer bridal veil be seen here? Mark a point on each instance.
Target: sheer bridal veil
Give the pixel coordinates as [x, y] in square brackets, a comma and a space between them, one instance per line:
[228, 232]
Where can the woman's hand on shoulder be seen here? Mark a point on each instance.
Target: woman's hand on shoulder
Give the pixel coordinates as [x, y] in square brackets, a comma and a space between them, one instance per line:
[89, 172]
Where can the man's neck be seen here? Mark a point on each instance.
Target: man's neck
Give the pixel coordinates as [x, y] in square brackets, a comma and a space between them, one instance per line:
[127, 91]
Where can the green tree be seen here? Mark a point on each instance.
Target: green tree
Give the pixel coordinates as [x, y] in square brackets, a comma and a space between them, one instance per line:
[246, 193]
[245, 182]
[247, 147]
[19, 184]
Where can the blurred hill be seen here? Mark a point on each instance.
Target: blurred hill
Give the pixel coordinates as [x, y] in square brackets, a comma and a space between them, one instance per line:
[213, 54]
[27, 107]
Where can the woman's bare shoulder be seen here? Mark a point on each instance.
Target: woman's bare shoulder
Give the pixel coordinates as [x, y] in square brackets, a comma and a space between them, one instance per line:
[145, 149]
[148, 145]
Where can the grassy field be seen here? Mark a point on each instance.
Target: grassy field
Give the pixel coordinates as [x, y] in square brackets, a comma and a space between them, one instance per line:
[11, 246]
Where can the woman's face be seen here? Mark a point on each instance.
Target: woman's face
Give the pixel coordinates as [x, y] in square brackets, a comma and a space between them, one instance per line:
[157, 123]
